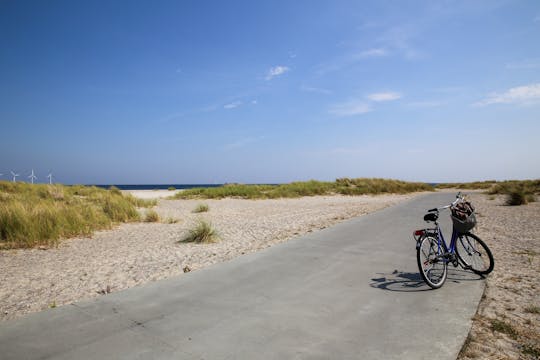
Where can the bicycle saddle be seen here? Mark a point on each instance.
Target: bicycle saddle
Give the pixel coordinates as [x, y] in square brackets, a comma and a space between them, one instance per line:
[431, 217]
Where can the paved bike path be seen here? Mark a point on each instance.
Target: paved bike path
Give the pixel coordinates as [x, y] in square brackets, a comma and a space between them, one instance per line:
[351, 291]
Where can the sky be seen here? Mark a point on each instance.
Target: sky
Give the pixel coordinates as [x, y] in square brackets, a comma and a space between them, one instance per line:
[184, 92]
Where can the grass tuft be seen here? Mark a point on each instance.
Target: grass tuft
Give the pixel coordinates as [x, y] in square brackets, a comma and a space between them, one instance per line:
[532, 309]
[531, 350]
[151, 216]
[202, 232]
[201, 208]
[503, 327]
[41, 214]
[516, 198]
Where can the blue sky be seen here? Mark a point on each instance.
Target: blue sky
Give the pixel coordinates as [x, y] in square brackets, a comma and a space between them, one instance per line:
[132, 92]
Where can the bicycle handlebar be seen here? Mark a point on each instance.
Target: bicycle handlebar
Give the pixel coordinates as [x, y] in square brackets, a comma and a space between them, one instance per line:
[459, 198]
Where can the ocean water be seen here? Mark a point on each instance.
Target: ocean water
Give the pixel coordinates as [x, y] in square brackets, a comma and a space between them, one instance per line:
[157, 186]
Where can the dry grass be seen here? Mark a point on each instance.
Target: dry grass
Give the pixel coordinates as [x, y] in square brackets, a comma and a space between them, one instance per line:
[151, 216]
[39, 214]
[344, 186]
[202, 232]
[201, 208]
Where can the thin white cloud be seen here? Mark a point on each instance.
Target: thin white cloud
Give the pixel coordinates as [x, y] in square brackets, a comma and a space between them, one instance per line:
[232, 105]
[276, 71]
[376, 52]
[350, 108]
[527, 94]
[315, 90]
[384, 96]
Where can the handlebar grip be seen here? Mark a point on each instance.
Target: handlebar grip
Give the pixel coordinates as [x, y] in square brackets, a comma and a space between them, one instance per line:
[431, 210]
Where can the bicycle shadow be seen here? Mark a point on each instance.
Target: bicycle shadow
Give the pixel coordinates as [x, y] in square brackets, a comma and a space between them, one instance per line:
[399, 281]
[412, 281]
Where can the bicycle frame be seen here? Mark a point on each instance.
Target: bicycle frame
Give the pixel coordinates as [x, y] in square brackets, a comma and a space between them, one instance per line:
[442, 247]
[442, 243]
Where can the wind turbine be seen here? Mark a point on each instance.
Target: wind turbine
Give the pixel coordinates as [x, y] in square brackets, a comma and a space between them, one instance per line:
[50, 178]
[14, 176]
[32, 177]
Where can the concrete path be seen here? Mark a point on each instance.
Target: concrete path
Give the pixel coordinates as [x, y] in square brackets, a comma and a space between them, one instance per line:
[348, 292]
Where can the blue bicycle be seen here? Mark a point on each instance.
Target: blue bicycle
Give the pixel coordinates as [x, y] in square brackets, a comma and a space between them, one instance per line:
[466, 250]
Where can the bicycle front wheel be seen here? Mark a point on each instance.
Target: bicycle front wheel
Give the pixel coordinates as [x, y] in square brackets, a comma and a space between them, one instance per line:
[475, 254]
[431, 264]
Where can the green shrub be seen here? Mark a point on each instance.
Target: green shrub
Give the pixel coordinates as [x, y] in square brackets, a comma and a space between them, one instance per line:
[202, 232]
[516, 197]
[171, 188]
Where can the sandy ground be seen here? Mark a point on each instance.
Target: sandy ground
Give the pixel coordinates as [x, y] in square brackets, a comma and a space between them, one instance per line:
[507, 324]
[151, 194]
[133, 254]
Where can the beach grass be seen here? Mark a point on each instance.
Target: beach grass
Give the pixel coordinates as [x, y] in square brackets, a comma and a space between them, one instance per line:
[201, 208]
[475, 185]
[41, 214]
[151, 216]
[343, 186]
[202, 232]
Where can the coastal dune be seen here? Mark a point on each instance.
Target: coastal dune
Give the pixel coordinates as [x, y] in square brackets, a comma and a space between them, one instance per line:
[133, 254]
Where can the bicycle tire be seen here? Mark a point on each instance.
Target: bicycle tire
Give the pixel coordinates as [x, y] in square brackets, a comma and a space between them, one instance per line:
[432, 268]
[475, 254]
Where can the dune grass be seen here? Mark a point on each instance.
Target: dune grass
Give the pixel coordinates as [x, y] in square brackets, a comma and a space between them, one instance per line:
[344, 186]
[151, 216]
[476, 185]
[41, 214]
[518, 192]
[201, 208]
[202, 232]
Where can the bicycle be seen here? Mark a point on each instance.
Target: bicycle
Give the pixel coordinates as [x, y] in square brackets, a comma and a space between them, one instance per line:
[466, 249]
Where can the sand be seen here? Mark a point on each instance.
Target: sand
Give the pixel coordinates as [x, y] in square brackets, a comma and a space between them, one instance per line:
[507, 324]
[134, 254]
[151, 194]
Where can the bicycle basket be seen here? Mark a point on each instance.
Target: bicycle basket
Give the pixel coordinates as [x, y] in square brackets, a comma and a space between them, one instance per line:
[463, 217]
[464, 225]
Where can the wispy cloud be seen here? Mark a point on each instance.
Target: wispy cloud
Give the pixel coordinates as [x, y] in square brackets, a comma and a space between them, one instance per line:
[350, 108]
[362, 106]
[232, 105]
[276, 71]
[315, 90]
[384, 96]
[527, 94]
[376, 52]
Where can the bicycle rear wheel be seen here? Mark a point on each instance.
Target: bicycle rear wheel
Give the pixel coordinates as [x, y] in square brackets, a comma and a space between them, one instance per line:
[475, 254]
[432, 266]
